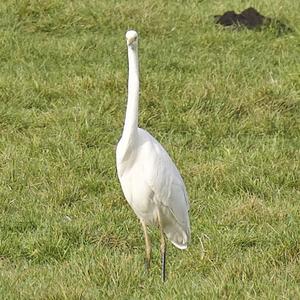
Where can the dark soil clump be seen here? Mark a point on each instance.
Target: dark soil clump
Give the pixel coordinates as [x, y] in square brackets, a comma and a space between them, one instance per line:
[251, 19]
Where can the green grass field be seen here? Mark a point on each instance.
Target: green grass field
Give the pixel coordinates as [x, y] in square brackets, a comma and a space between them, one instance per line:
[224, 103]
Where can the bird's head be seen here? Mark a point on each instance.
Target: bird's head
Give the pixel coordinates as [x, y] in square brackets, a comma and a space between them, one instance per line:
[131, 38]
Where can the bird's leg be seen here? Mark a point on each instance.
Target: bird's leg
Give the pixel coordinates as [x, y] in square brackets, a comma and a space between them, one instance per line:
[163, 250]
[148, 247]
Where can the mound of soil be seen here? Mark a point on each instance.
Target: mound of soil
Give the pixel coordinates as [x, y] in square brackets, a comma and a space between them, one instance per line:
[251, 19]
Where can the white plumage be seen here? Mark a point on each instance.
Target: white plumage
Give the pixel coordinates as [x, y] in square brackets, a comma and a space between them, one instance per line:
[150, 181]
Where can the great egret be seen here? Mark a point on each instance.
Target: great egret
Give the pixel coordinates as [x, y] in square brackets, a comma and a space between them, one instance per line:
[150, 181]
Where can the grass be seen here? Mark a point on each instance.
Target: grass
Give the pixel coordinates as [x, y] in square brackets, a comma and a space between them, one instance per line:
[224, 103]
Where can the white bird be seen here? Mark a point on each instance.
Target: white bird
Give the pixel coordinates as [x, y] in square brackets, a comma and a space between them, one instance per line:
[150, 181]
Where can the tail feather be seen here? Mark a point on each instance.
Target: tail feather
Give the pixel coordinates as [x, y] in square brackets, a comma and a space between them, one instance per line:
[177, 236]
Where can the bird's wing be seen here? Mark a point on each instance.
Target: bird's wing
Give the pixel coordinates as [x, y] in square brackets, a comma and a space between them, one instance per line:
[165, 180]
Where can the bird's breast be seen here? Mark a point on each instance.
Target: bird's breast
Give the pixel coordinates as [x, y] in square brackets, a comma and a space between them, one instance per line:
[138, 193]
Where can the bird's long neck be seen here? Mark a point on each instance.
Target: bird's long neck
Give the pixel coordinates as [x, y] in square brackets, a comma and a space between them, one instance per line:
[131, 119]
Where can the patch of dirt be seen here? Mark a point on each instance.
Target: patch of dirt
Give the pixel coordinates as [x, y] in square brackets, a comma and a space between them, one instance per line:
[251, 19]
